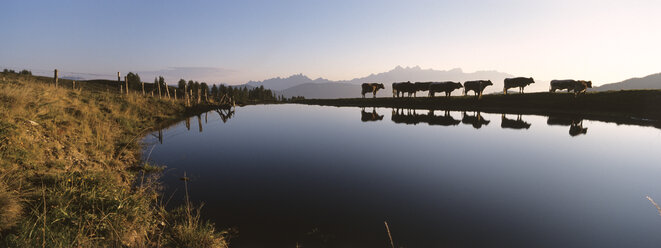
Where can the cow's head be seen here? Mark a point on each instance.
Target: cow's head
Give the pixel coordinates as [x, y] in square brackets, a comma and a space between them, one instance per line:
[588, 83]
[380, 86]
[532, 81]
[488, 82]
[457, 85]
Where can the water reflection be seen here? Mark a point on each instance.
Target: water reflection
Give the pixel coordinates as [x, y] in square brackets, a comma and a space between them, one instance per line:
[225, 114]
[443, 120]
[517, 123]
[411, 117]
[575, 123]
[313, 185]
[405, 116]
[370, 116]
[476, 120]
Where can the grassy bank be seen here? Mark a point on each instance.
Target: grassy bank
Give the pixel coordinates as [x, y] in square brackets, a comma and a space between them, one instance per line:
[640, 107]
[71, 172]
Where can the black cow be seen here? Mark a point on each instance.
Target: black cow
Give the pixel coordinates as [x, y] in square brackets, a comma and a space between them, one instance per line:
[581, 87]
[514, 124]
[520, 82]
[578, 86]
[371, 87]
[477, 86]
[476, 120]
[567, 84]
[367, 116]
[403, 87]
[420, 86]
[446, 87]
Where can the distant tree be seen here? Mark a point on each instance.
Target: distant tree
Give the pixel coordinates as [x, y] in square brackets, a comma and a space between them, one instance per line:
[5, 71]
[214, 92]
[181, 84]
[133, 80]
[25, 72]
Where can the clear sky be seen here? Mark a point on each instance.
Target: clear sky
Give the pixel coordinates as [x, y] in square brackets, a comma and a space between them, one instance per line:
[236, 41]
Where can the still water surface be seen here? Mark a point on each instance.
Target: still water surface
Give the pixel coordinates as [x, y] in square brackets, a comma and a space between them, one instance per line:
[329, 177]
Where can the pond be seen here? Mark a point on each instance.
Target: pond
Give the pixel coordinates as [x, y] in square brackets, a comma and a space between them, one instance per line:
[313, 176]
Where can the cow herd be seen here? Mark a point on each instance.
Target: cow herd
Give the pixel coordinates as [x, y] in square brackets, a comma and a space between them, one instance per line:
[411, 117]
[399, 89]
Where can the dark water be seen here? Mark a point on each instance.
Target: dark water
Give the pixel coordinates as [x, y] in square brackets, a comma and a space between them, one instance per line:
[330, 177]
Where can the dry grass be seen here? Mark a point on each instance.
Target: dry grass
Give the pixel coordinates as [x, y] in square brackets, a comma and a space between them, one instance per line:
[64, 159]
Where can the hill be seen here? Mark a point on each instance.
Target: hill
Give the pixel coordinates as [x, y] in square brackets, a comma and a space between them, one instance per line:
[649, 82]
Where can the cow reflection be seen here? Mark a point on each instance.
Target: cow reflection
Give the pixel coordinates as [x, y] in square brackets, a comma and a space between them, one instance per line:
[575, 123]
[408, 116]
[370, 116]
[444, 120]
[577, 128]
[475, 120]
[514, 123]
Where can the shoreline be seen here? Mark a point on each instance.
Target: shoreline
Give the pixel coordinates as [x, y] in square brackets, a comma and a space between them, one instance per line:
[634, 107]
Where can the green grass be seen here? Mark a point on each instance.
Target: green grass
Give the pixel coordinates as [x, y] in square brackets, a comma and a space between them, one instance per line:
[65, 168]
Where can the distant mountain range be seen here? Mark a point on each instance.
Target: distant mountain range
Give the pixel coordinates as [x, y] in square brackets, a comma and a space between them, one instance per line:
[649, 82]
[300, 85]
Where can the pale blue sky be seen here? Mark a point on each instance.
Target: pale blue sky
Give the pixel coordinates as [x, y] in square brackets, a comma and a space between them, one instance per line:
[237, 41]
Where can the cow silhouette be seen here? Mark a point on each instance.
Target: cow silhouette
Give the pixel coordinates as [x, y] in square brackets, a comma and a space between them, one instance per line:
[578, 86]
[518, 82]
[403, 87]
[446, 87]
[371, 87]
[476, 86]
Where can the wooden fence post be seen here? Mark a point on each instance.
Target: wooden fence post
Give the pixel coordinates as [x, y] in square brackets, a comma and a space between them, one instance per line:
[73, 86]
[143, 88]
[198, 95]
[159, 89]
[55, 78]
[126, 80]
[119, 81]
[175, 94]
[187, 101]
[167, 90]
